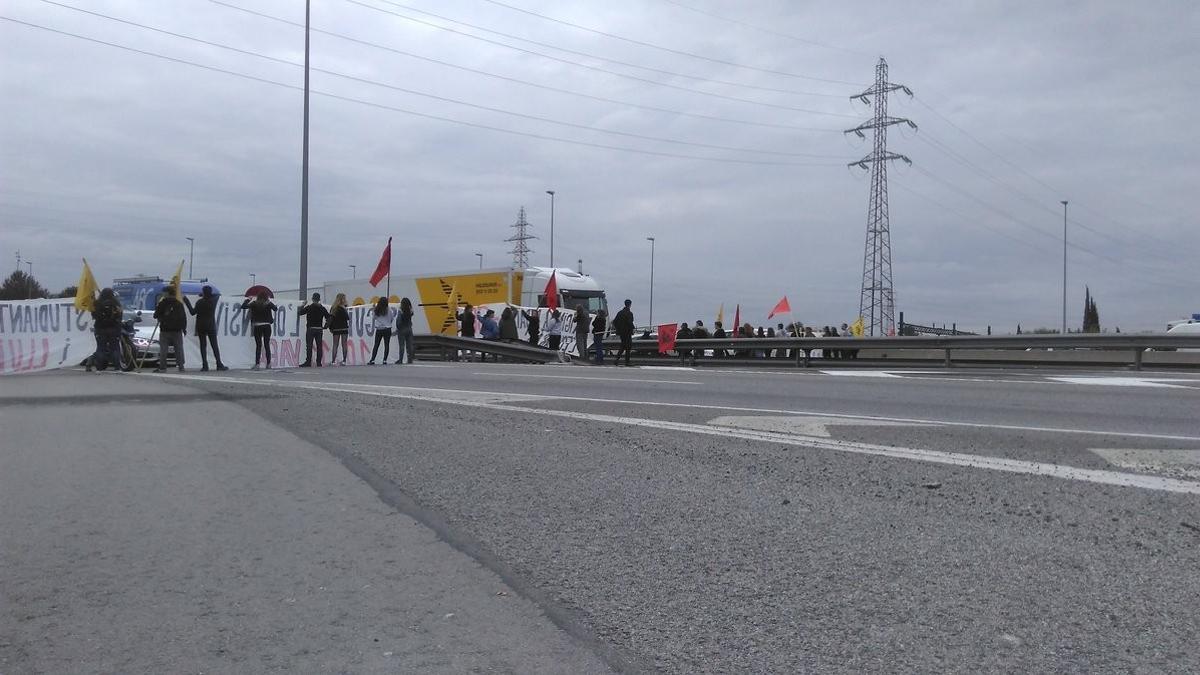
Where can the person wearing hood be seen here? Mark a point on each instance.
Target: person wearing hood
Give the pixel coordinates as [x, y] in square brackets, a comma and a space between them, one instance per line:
[205, 311]
[172, 324]
[262, 322]
[508, 325]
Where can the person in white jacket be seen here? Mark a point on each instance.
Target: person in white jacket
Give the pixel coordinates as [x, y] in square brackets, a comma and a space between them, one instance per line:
[382, 320]
[554, 330]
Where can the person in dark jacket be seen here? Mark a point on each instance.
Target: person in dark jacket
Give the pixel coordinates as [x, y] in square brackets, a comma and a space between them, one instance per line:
[623, 326]
[317, 318]
[172, 324]
[466, 321]
[699, 332]
[508, 325]
[262, 321]
[404, 332]
[106, 322]
[581, 330]
[599, 325]
[533, 321]
[205, 311]
[719, 334]
[339, 327]
[684, 333]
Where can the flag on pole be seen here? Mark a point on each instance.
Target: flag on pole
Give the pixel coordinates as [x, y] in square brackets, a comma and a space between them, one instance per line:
[737, 320]
[177, 280]
[552, 292]
[858, 328]
[782, 307]
[666, 337]
[721, 314]
[85, 290]
[384, 268]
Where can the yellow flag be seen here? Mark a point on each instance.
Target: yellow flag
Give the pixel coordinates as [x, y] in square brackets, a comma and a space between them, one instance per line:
[721, 314]
[85, 290]
[858, 328]
[177, 280]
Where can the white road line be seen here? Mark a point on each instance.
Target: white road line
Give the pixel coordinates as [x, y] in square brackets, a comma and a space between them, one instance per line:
[580, 377]
[1017, 466]
[859, 373]
[1117, 382]
[687, 368]
[776, 411]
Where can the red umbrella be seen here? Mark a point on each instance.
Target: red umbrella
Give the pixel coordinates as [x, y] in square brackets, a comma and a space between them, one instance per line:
[253, 291]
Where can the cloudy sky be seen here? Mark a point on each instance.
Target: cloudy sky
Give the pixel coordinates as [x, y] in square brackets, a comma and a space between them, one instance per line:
[715, 127]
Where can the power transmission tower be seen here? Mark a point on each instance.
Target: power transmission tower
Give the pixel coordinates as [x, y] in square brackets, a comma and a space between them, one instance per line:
[521, 250]
[876, 304]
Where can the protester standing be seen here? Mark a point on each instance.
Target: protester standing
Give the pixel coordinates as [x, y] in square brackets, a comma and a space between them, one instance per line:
[339, 327]
[581, 330]
[554, 330]
[599, 326]
[684, 333]
[508, 325]
[205, 311]
[719, 334]
[262, 321]
[533, 321]
[404, 332]
[106, 322]
[466, 321]
[623, 325]
[172, 324]
[381, 320]
[317, 319]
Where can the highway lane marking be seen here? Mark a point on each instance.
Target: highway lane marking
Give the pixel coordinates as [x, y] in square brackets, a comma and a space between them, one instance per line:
[1017, 466]
[687, 368]
[1178, 463]
[859, 373]
[701, 406]
[582, 377]
[1119, 382]
[799, 424]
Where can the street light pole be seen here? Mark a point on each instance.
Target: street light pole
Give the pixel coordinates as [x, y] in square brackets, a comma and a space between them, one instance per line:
[354, 271]
[480, 260]
[1064, 313]
[651, 240]
[304, 168]
[551, 193]
[253, 279]
[191, 255]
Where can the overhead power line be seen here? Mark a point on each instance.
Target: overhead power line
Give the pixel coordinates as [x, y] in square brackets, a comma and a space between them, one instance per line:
[349, 99]
[701, 92]
[768, 31]
[560, 90]
[443, 99]
[669, 50]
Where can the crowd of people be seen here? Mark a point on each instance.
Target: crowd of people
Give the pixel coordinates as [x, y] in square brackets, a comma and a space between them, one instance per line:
[386, 321]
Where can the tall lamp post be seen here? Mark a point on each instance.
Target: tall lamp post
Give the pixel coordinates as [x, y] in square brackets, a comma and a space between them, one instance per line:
[480, 256]
[304, 168]
[354, 271]
[551, 193]
[651, 240]
[1064, 316]
[191, 255]
[253, 279]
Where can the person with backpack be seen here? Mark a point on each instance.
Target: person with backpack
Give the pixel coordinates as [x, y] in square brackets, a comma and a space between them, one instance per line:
[262, 322]
[623, 326]
[317, 318]
[404, 332]
[205, 311]
[172, 324]
[339, 327]
[106, 322]
[381, 320]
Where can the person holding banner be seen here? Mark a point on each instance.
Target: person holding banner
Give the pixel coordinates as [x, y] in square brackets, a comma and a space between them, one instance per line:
[262, 322]
[172, 323]
[581, 330]
[205, 311]
[554, 330]
[339, 326]
[318, 317]
[533, 321]
[623, 325]
[599, 325]
[381, 319]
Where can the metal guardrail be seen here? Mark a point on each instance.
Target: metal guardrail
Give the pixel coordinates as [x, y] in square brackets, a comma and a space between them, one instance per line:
[802, 347]
[450, 345]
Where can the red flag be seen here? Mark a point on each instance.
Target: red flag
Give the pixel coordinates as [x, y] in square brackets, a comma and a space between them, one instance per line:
[384, 268]
[666, 337]
[737, 320]
[552, 292]
[782, 308]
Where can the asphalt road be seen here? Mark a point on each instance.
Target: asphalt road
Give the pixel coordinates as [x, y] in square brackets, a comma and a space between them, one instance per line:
[646, 519]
